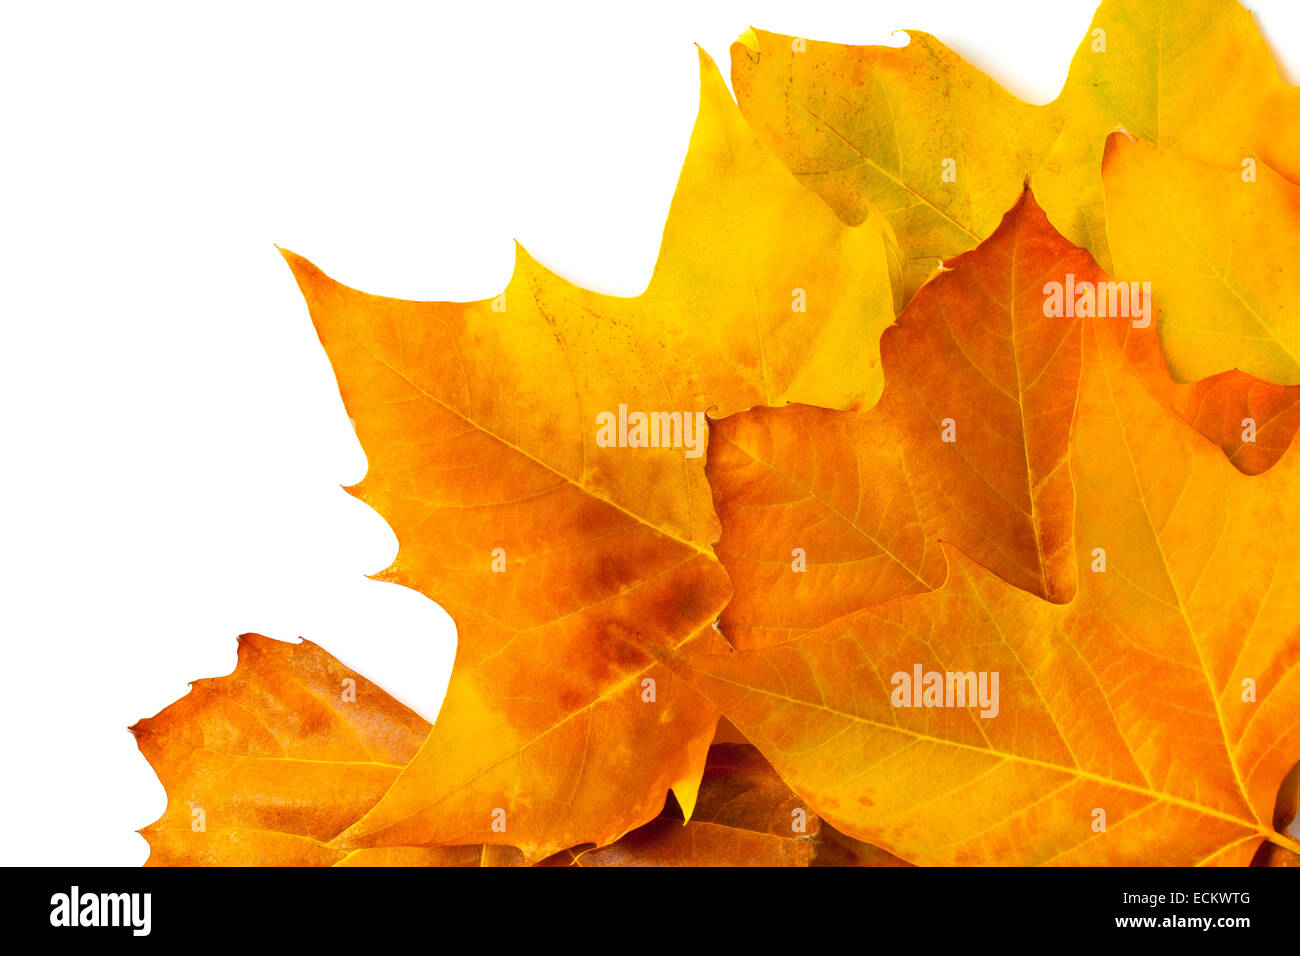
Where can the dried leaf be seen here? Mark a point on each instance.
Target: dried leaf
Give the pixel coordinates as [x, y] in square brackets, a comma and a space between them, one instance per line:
[268, 764]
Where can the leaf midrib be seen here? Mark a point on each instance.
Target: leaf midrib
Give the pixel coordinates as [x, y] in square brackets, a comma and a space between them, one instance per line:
[591, 492]
[1078, 772]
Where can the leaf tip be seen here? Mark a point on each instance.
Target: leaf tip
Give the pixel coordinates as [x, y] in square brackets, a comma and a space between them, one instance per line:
[1117, 142]
[710, 75]
[746, 44]
[305, 272]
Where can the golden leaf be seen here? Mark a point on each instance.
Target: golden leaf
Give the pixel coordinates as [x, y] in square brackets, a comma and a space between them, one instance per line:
[1218, 251]
[942, 149]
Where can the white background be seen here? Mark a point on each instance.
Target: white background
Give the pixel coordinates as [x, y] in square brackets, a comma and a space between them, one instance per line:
[174, 443]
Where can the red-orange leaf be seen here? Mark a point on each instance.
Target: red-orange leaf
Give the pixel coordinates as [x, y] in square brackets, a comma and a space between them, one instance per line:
[268, 764]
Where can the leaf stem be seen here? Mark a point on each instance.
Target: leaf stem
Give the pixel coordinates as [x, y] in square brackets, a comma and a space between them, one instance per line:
[1284, 841]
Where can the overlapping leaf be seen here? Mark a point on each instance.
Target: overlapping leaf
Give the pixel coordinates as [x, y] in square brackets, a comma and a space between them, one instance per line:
[745, 816]
[929, 140]
[1191, 75]
[1230, 409]
[1026, 500]
[1132, 699]
[1218, 245]
[269, 763]
[942, 149]
[265, 765]
[861, 500]
[480, 424]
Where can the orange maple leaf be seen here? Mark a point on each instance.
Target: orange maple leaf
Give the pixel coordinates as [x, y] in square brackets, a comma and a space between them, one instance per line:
[968, 445]
[553, 547]
[1152, 719]
[269, 763]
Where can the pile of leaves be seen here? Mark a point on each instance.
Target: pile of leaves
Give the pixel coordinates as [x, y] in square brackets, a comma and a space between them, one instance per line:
[991, 389]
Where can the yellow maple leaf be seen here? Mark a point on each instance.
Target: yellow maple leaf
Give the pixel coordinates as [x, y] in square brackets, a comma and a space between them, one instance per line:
[932, 142]
[1191, 75]
[1218, 246]
[942, 149]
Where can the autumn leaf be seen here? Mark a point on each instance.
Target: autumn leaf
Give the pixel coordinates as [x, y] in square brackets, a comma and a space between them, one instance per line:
[1151, 720]
[932, 142]
[264, 766]
[1217, 245]
[1252, 420]
[1000, 588]
[1191, 75]
[553, 548]
[269, 763]
[967, 445]
[746, 816]
[942, 149]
